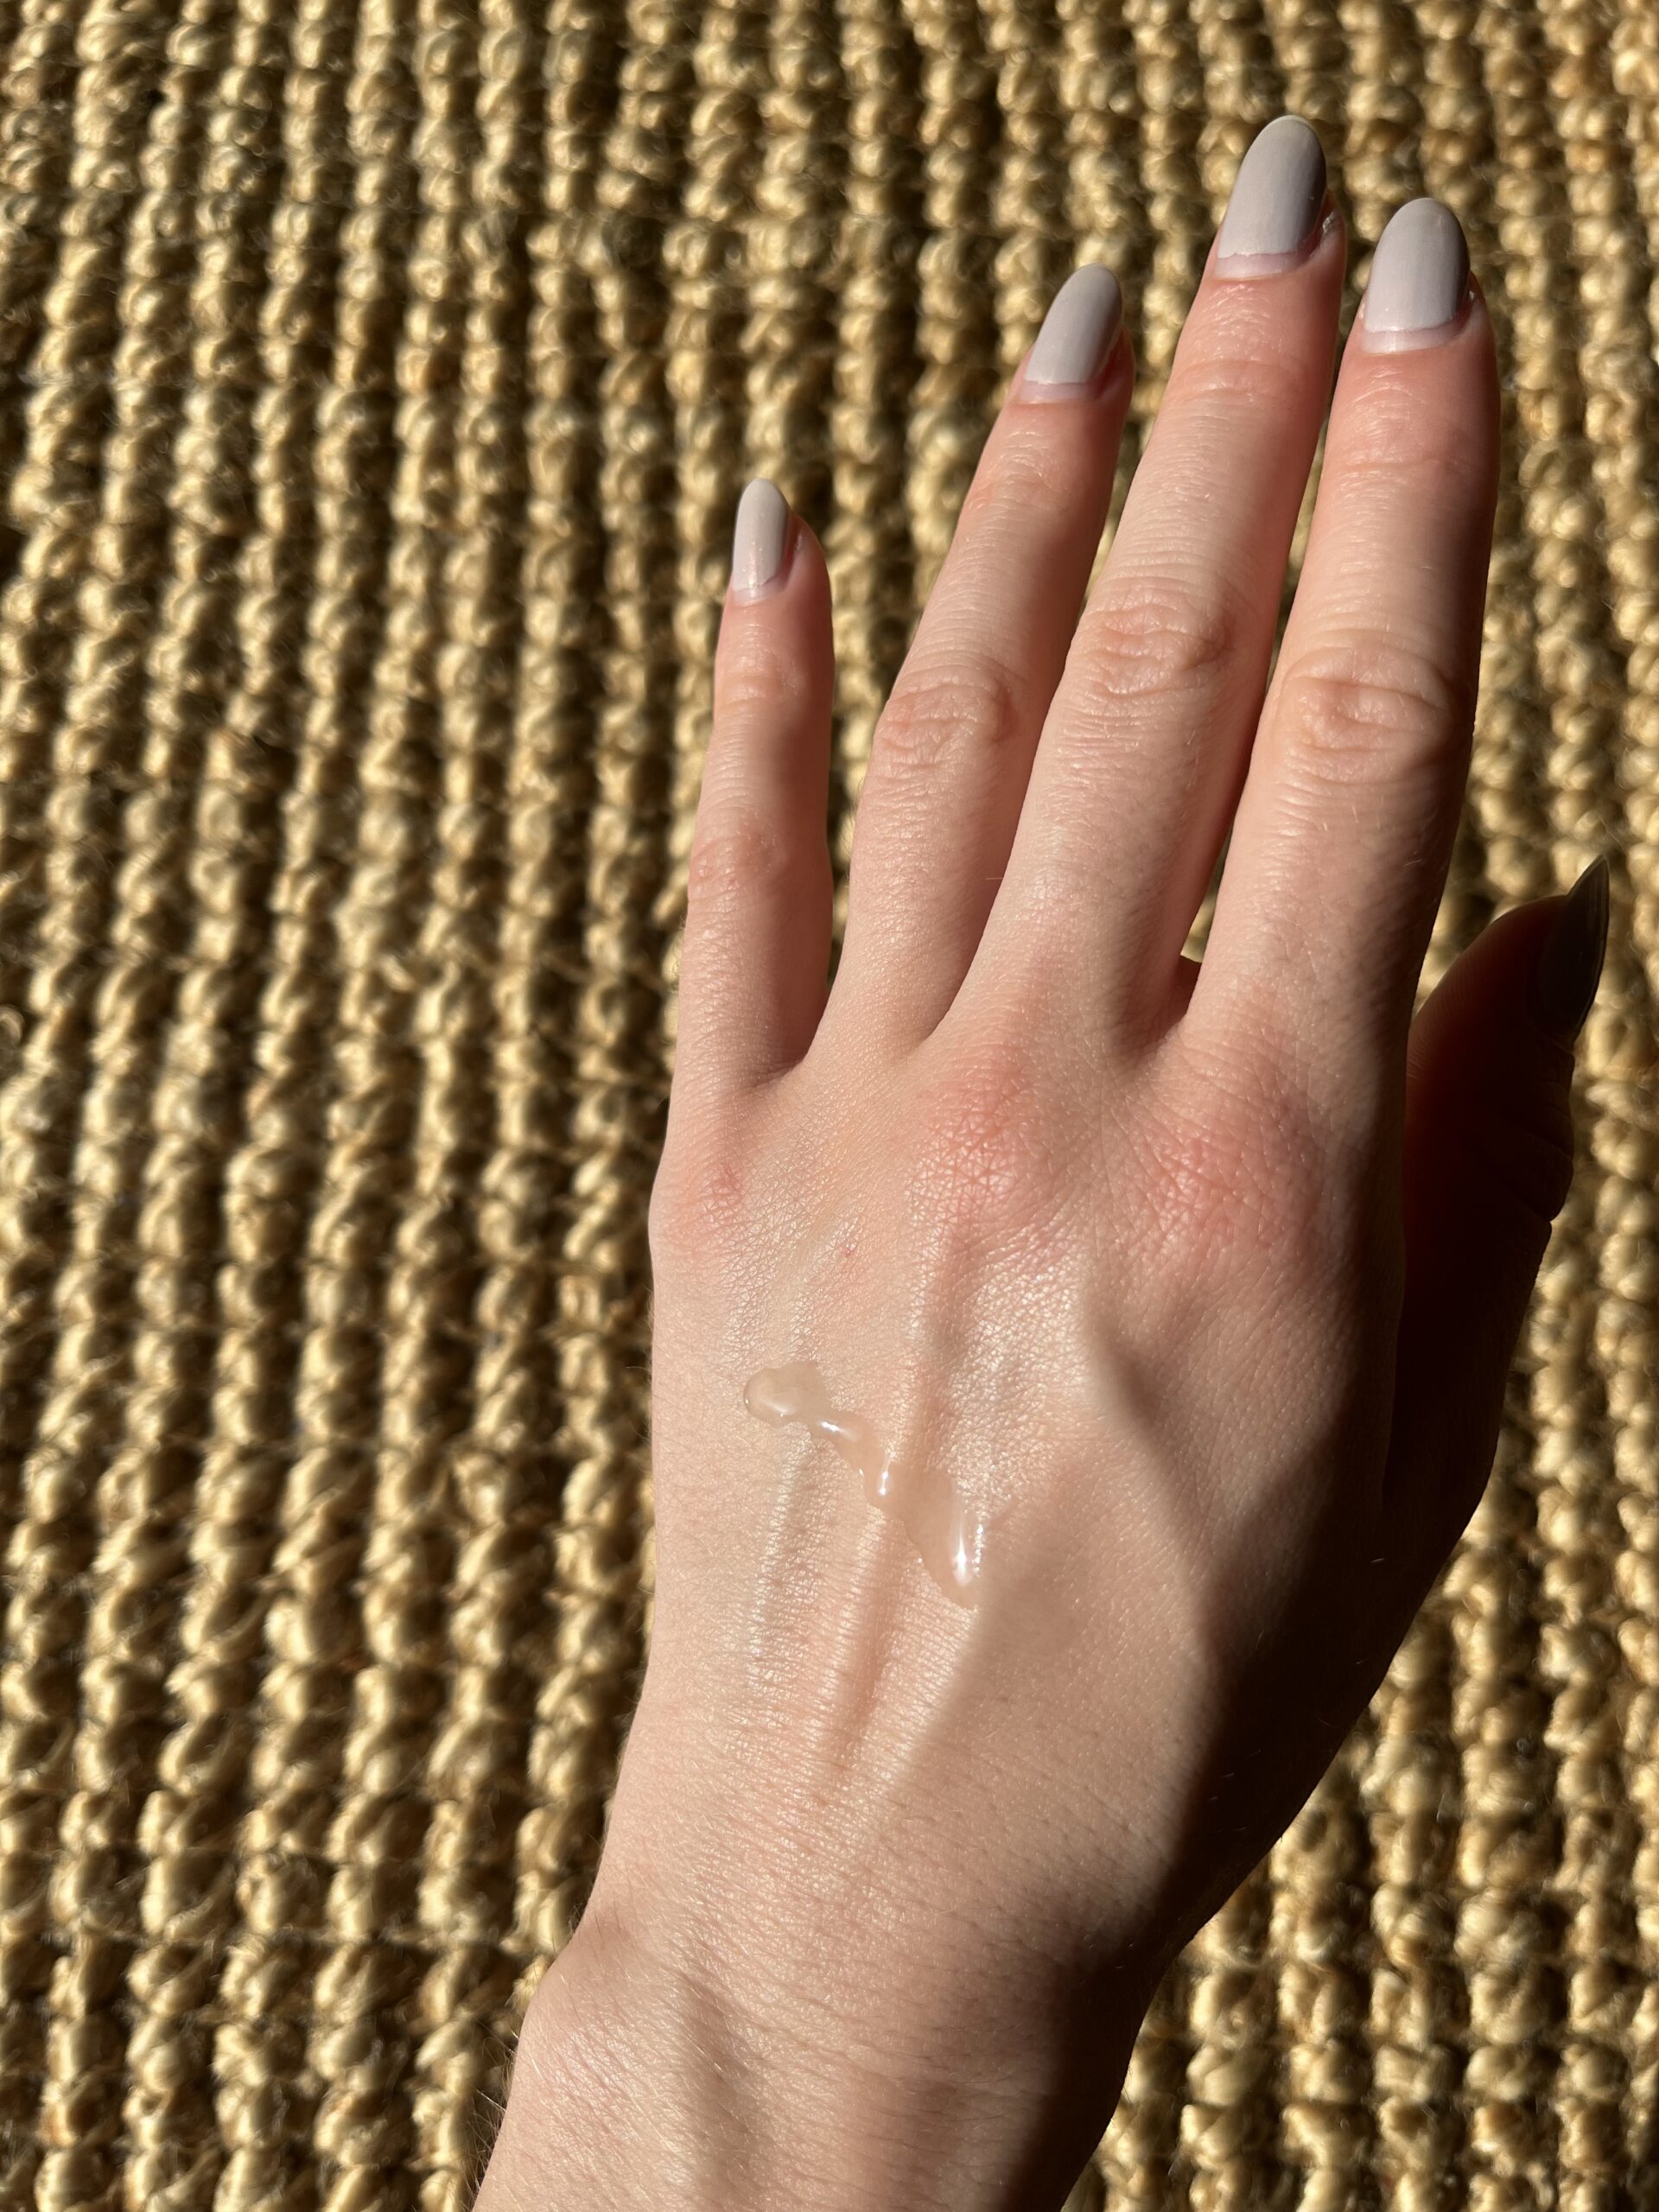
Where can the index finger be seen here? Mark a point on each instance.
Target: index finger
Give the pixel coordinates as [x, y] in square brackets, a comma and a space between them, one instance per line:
[1343, 832]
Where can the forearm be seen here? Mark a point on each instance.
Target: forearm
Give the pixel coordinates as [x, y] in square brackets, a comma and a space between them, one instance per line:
[638, 2085]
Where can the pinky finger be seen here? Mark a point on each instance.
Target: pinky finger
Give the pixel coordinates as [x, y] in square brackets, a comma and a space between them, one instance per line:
[754, 967]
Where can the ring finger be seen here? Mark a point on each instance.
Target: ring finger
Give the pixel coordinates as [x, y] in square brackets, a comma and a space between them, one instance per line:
[953, 747]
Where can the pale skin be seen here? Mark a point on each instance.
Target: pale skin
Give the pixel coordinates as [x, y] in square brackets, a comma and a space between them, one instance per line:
[1210, 1276]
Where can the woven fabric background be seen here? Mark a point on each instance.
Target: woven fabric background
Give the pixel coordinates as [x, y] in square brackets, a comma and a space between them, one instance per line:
[377, 380]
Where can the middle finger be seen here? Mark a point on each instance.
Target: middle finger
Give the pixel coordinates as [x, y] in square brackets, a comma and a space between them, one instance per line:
[1144, 749]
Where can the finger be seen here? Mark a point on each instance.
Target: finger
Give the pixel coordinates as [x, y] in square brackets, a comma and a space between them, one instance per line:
[755, 960]
[953, 747]
[1343, 835]
[1487, 1160]
[1141, 758]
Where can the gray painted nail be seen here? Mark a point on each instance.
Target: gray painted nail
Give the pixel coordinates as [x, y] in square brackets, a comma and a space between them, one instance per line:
[1277, 194]
[1078, 331]
[1569, 967]
[1420, 272]
[758, 538]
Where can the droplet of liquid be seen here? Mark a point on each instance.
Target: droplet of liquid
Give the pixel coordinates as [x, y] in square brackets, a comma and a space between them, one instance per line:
[949, 1537]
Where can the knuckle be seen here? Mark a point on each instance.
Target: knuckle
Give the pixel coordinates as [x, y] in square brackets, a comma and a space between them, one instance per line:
[977, 701]
[1244, 1186]
[1369, 709]
[695, 1205]
[1225, 376]
[1526, 1158]
[1026, 467]
[984, 1147]
[1239, 378]
[736, 853]
[1152, 637]
[757, 676]
[1395, 453]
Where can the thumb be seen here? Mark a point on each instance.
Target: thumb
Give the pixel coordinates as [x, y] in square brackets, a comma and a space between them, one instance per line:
[1488, 1162]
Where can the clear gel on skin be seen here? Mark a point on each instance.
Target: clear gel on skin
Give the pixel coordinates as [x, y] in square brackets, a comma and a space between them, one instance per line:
[949, 1539]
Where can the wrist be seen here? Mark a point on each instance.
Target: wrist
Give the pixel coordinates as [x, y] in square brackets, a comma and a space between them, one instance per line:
[642, 2080]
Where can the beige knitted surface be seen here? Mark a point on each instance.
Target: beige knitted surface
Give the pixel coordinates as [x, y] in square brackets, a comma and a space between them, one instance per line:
[377, 380]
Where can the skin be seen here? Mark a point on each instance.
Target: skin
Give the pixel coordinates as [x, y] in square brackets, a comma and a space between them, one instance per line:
[1210, 1277]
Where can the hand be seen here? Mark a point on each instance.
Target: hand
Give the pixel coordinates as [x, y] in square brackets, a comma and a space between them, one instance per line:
[1172, 1303]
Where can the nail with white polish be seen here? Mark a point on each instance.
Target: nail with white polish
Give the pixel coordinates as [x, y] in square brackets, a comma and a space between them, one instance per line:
[1419, 278]
[1077, 336]
[759, 540]
[1274, 216]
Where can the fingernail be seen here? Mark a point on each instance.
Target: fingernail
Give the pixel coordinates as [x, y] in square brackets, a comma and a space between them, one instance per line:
[1277, 197]
[1420, 276]
[759, 539]
[1569, 967]
[1077, 336]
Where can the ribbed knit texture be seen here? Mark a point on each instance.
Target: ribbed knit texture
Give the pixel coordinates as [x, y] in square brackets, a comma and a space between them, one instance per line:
[377, 381]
